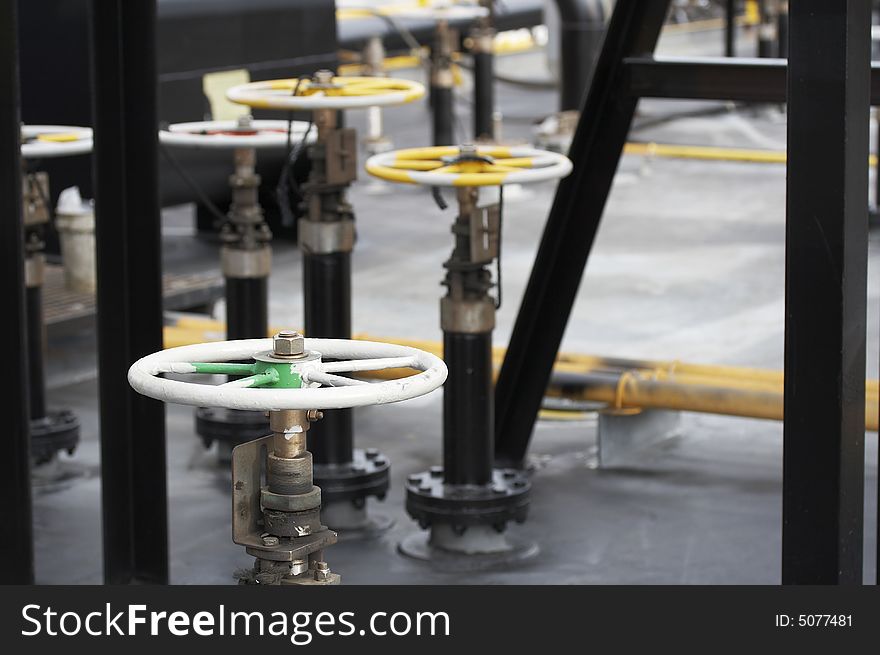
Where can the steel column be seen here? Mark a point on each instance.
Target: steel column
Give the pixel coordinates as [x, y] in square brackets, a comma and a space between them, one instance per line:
[129, 294]
[571, 227]
[16, 531]
[826, 278]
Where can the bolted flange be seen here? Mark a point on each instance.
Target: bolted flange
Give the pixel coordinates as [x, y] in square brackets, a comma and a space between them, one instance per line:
[366, 475]
[431, 502]
[57, 431]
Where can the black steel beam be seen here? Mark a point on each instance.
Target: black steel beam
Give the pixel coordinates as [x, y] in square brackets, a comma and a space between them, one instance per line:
[716, 78]
[571, 227]
[16, 530]
[826, 280]
[129, 294]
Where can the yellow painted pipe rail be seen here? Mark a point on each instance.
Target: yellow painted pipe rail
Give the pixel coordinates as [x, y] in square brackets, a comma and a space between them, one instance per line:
[617, 382]
[712, 153]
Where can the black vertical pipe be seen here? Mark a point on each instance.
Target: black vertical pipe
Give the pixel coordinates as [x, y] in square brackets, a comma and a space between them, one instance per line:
[571, 227]
[730, 28]
[327, 290]
[36, 351]
[782, 34]
[16, 530]
[443, 115]
[129, 294]
[581, 27]
[247, 307]
[826, 279]
[766, 28]
[468, 409]
[484, 95]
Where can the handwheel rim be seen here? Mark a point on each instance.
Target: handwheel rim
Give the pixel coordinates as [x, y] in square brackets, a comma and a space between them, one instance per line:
[452, 13]
[276, 94]
[222, 134]
[78, 141]
[142, 377]
[512, 165]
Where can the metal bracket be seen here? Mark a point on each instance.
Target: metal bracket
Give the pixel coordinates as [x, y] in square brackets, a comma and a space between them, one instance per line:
[485, 225]
[35, 191]
[340, 150]
[248, 464]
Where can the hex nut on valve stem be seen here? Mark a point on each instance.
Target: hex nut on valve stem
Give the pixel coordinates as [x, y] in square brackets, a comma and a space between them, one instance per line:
[288, 343]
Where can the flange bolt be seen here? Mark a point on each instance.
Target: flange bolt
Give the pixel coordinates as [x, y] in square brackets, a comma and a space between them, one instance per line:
[322, 571]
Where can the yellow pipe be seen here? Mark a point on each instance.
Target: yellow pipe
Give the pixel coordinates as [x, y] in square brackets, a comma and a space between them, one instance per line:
[736, 391]
[712, 153]
[631, 390]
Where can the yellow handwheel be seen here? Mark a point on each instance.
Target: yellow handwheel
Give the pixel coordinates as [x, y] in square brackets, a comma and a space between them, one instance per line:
[469, 166]
[326, 92]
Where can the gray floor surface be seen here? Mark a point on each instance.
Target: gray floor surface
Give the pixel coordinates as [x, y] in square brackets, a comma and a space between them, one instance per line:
[689, 265]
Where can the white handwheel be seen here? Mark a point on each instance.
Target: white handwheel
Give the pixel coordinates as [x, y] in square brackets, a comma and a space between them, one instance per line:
[39, 141]
[231, 134]
[336, 93]
[436, 11]
[450, 10]
[277, 383]
[469, 165]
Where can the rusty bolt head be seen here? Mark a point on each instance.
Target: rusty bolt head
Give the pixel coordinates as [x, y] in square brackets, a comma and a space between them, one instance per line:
[289, 344]
[322, 571]
[269, 540]
[315, 415]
